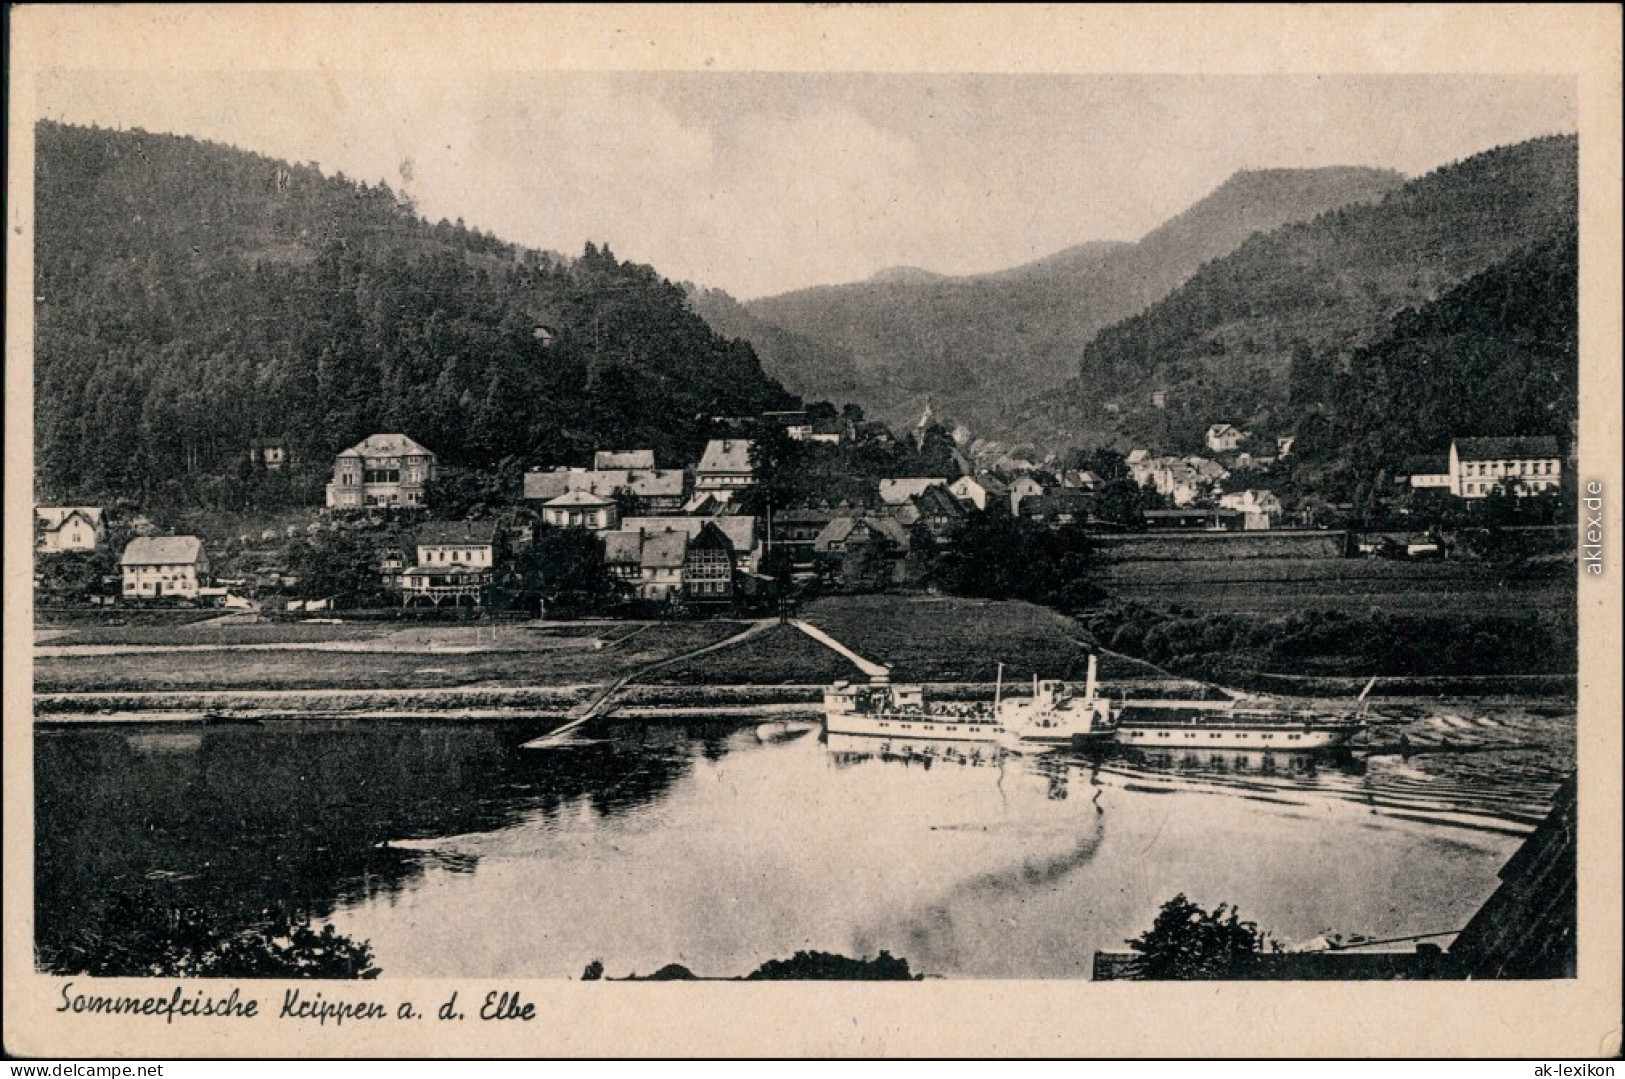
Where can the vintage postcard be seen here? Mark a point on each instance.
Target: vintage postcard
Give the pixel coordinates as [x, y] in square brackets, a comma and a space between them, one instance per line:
[1053, 531]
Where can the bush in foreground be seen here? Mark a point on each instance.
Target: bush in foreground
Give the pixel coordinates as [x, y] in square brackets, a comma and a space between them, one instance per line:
[1187, 943]
[139, 937]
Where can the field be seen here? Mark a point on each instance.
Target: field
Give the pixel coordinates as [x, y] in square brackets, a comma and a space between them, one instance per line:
[324, 668]
[922, 638]
[385, 636]
[1274, 586]
[1290, 544]
[1218, 546]
[782, 656]
[942, 639]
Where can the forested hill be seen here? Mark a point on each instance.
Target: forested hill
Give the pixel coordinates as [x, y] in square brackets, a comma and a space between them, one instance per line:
[981, 345]
[1497, 355]
[1257, 338]
[190, 297]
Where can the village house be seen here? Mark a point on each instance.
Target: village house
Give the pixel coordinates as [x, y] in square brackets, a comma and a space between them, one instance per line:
[645, 490]
[1061, 506]
[394, 556]
[623, 559]
[1021, 489]
[1159, 398]
[1080, 479]
[845, 531]
[661, 557]
[672, 565]
[708, 567]
[794, 531]
[157, 567]
[1253, 502]
[848, 536]
[270, 454]
[1183, 480]
[725, 467]
[381, 470]
[581, 509]
[455, 564]
[1530, 465]
[1283, 445]
[980, 491]
[1207, 472]
[67, 528]
[934, 507]
[895, 492]
[1223, 438]
[1183, 488]
[743, 536]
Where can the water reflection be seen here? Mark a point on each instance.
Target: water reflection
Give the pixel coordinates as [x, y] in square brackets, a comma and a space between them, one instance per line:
[1224, 762]
[300, 817]
[457, 853]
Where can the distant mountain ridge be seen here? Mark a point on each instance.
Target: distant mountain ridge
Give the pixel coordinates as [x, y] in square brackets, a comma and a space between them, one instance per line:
[981, 345]
[905, 275]
[1230, 343]
[806, 367]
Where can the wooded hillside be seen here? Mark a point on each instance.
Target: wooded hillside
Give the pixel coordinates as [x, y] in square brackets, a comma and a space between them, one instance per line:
[190, 297]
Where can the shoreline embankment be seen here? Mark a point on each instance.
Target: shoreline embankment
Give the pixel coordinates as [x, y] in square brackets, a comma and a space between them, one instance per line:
[651, 700]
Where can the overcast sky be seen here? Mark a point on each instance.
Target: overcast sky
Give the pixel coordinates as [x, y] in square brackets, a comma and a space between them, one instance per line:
[763, 183]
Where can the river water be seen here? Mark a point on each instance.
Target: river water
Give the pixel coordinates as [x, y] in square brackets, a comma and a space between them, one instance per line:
[455, 852]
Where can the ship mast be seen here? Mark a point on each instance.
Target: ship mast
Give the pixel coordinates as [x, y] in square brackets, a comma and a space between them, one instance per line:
[998, 688]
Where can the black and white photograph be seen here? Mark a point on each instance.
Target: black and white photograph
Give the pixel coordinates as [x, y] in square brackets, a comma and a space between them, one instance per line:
[716, 523]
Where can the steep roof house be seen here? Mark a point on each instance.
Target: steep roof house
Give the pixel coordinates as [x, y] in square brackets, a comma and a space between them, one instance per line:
[894, 492]
[1224, 437]
[67, 528]
[725, 467]
[981, 490]
[1022, 488]
[162, 566]
[623, 558]
[847, 536]
[661, 559]
[740, 530]
[843, 531]
[708, 567]
[935, 507]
